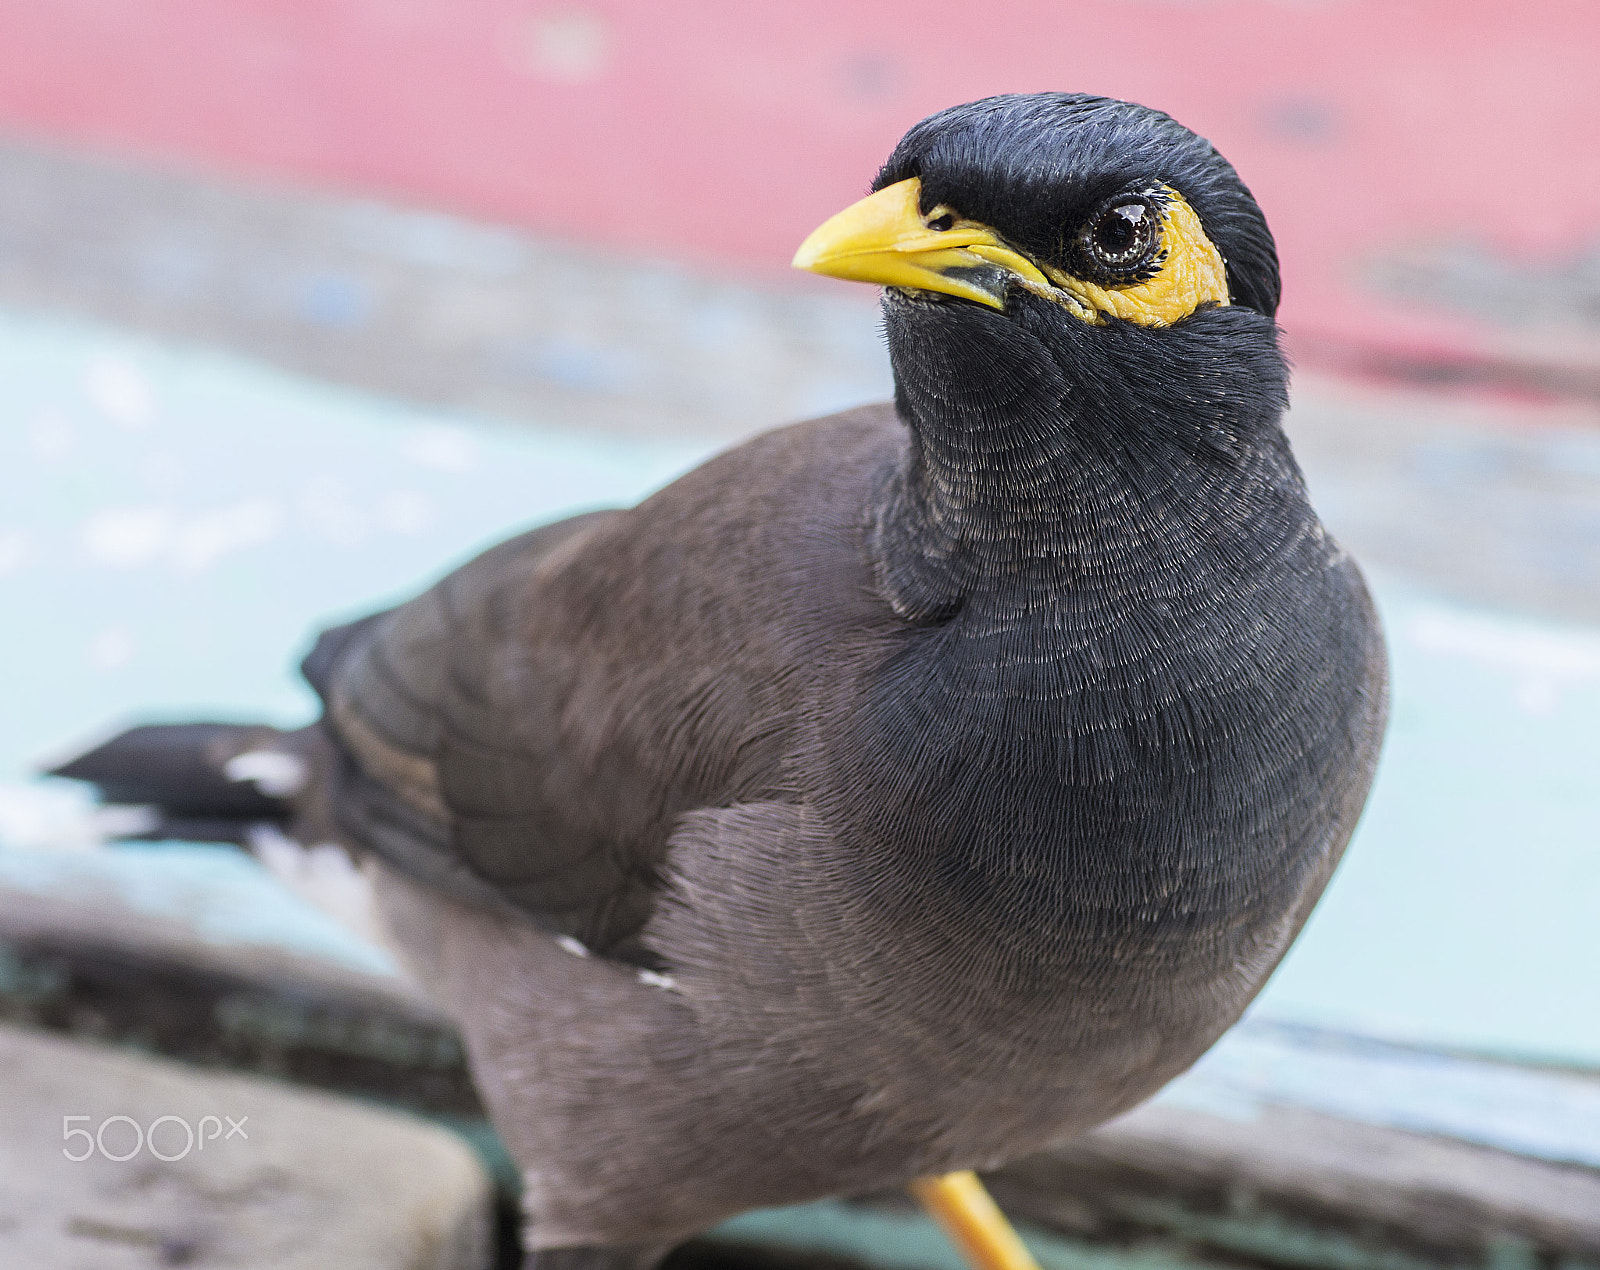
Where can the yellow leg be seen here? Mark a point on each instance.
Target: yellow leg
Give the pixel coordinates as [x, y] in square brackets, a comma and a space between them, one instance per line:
[974, 1222]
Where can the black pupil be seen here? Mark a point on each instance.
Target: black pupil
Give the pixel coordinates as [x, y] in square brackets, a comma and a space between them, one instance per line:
[942, 223]
[1120, 231]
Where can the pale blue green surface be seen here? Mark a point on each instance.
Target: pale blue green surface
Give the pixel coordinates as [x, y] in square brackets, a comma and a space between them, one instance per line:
[174, 524]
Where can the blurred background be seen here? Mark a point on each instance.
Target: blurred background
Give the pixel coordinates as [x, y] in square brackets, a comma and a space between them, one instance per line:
[302, 301]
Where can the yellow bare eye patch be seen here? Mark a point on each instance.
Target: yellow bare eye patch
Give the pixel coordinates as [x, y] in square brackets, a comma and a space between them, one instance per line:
[1190, 272]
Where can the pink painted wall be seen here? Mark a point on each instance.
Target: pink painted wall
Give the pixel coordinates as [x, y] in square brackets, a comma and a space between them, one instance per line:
[712, 129]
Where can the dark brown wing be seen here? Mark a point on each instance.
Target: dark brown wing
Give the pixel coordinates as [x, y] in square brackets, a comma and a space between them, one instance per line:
[528, 731]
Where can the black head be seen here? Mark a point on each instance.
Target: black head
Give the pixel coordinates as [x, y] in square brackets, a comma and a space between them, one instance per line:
[1049, 173]
[1091, 261]
[1079, 300]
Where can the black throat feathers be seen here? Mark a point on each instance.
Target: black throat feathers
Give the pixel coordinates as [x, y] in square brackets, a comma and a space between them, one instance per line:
[1121, 688]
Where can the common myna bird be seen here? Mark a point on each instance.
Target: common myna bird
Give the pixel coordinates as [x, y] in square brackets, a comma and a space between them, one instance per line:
[900, 792]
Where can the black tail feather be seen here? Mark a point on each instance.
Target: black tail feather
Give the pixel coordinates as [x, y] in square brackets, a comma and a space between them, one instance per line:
[186, 774]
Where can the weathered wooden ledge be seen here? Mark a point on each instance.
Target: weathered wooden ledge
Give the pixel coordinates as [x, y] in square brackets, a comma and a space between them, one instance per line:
[1267, 1184]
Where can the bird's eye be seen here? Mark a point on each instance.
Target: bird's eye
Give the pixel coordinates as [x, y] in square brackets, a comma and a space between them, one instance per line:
[942, 222]
[1124, 236]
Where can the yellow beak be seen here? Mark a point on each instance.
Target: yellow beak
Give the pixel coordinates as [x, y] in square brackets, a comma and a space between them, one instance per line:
[885, 239]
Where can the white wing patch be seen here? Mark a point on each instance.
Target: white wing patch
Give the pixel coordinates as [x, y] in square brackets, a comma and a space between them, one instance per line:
[274, 773]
